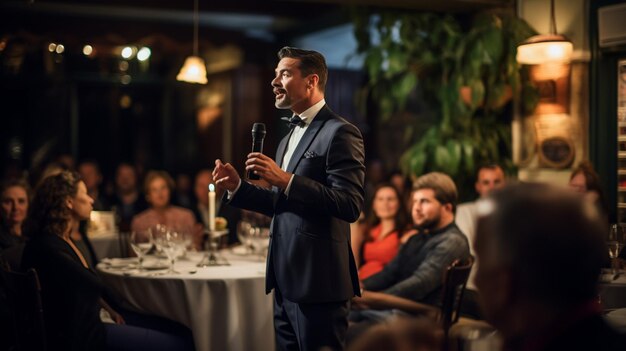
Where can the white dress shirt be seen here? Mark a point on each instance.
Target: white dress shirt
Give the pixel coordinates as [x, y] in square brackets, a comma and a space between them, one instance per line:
[307, 117]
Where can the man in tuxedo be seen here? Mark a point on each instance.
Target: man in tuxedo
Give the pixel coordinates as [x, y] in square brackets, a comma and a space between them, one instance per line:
[316, 191]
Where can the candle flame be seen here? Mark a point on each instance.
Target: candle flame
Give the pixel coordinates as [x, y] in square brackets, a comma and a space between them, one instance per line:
[211, 187]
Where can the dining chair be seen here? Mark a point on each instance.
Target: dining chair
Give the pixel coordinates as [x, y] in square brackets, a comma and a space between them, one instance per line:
[454, 281]
[20, 296]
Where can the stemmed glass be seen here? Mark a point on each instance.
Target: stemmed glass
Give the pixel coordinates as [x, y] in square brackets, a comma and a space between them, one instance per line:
[141, 242]
[244, 232]
[170, 242]
[615, 243]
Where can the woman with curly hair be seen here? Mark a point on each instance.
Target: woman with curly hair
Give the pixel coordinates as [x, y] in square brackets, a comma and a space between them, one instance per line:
[71, 290]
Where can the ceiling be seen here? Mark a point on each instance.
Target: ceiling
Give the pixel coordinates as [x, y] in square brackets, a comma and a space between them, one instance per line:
[263, 19]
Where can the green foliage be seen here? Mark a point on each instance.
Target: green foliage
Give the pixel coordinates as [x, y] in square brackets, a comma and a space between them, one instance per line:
[436, 56]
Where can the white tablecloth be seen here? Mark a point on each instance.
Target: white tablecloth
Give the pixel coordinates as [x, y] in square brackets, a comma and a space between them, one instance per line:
[225, 307]
[106, 245]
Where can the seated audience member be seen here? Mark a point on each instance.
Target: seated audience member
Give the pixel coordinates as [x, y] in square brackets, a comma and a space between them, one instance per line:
[89, 171]
[585, 180]
[403, 184]
[182, 191]
[232, 214]
[70, 290]
[128, 200]
[416, 272]
[13, 209]
[488, 178]
[400, 334]
[158, 186]
[377, 243]
[540, 250]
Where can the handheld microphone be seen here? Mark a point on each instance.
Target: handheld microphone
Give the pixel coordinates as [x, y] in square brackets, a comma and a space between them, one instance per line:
[258, 134]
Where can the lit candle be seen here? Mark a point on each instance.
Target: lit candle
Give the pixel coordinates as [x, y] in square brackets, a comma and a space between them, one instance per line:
[211, 207]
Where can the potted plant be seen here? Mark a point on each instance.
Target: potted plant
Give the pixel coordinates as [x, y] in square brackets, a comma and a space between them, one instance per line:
[464, 73]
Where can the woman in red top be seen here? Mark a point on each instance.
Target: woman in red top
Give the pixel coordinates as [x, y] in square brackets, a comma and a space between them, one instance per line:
[379, 240]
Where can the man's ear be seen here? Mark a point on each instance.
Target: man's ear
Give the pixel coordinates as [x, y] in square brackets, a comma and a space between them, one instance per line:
[313, 80]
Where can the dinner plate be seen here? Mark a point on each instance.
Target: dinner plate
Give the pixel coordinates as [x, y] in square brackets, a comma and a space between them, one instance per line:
[120, 262]
[155, 265]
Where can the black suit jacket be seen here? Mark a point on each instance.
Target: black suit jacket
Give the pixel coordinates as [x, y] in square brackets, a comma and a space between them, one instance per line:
[310, 259]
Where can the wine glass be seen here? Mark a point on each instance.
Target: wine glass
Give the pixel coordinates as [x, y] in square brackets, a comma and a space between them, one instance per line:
[244, 232]
[170, 243]
[615, 243]
[185, 243]
[141, 242]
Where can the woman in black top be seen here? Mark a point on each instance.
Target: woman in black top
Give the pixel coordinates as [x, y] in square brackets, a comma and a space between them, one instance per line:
[71, 291]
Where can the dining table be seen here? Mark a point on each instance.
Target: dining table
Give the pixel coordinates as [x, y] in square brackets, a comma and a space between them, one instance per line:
[612, 289]
[225, 306]
[108, 244]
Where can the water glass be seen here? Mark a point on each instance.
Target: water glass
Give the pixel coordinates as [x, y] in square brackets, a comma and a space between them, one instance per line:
[141, 242]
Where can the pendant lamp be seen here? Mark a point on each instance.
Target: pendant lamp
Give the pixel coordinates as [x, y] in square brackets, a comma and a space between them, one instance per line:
[545, 48]
[194, 69]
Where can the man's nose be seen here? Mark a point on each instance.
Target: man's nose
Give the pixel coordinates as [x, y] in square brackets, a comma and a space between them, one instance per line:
[275, 82]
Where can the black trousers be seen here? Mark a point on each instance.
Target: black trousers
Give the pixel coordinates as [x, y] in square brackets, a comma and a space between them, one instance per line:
[309, 326]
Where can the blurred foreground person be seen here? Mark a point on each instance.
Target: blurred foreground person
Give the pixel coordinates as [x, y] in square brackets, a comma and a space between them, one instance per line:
[540, 251]
[400, 334]
[70, 290]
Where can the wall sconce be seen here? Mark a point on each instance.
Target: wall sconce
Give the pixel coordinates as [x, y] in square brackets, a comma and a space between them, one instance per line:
[545, 48]
[194, 69]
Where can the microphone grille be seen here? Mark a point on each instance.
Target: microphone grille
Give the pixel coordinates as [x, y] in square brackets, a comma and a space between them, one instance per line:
[258, 128]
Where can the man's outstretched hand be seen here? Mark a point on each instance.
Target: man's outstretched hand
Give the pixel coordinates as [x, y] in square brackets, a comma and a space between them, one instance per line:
[225, 176]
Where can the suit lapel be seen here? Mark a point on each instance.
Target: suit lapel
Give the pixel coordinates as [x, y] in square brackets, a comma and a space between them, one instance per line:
[307, 138]
[282, 147]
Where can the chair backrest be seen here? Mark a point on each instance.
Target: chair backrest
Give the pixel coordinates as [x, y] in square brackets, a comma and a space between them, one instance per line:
[21, 295]
[454, 280]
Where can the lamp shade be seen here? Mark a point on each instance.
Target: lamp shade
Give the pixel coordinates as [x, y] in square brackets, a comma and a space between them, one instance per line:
[545, 48]
[193, 71]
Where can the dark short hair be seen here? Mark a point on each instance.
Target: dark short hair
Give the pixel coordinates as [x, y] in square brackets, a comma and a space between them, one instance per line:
[490, 166]
[311, 62]
[441, 184]
[551, 239]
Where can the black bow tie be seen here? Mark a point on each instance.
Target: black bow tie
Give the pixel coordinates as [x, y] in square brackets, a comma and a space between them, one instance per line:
[294, 121]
